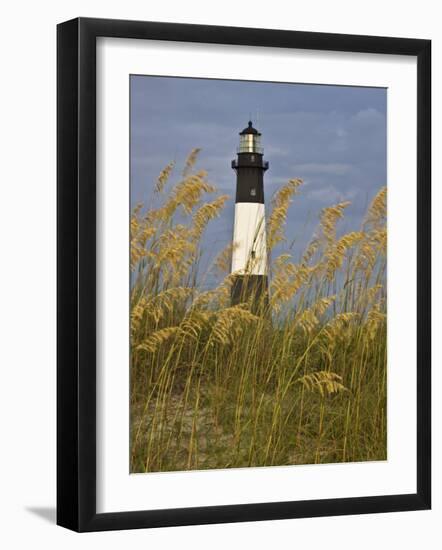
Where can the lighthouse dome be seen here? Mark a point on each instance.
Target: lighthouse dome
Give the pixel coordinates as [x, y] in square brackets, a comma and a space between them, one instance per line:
[250, 130]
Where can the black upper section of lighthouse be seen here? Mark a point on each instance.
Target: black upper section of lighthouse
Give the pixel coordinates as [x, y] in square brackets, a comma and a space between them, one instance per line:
[250, 166]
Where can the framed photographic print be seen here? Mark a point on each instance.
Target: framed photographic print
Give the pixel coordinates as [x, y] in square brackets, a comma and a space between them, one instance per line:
[243, 274]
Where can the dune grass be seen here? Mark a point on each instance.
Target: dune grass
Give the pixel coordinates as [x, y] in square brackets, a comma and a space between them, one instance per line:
[302, 380]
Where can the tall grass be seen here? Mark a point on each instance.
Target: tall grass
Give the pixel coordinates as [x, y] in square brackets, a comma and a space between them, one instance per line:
[300, 380]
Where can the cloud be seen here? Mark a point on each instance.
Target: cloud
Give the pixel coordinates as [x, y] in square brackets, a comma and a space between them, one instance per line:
[368, 115]
[330, 194]
[274, 151]
[337, 169]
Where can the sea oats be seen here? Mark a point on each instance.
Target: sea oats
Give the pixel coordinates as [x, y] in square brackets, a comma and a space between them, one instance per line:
[329, 219]
[215, 385]
[280, 205]
[190, 161]
[377, 211]
[323, 382]
[158, 338]
[163, 178]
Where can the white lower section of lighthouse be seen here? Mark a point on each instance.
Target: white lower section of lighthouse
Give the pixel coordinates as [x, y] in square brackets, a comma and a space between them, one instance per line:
[249, 253]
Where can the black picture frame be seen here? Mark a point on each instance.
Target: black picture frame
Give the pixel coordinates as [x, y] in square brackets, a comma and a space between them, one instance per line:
[77, 287]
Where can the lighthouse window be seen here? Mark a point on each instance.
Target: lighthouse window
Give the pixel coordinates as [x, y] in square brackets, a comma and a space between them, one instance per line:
[252, 158]
[253, 192]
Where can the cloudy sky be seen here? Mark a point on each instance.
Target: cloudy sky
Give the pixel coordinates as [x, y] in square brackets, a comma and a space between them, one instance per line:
[332, 137]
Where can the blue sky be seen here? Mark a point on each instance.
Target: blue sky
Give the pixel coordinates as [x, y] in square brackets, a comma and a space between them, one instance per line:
[332, 137]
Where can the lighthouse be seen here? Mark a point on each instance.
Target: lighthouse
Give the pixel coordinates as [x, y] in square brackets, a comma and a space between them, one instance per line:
[249, 250]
